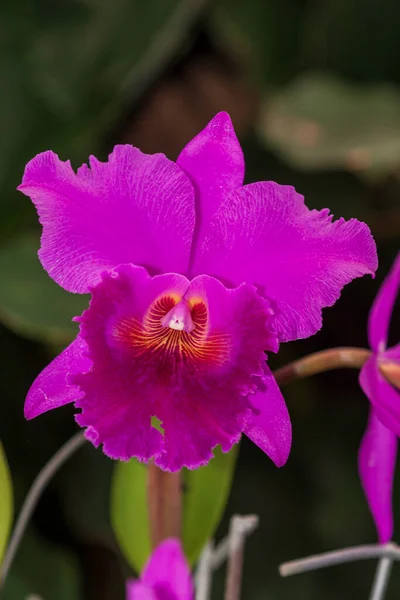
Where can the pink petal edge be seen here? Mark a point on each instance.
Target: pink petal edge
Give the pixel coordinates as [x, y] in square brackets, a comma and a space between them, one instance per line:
[265, 235]
[51, 389]
[385, 399]
[214, 162]
[271, 429]
[135, 208]
[382, 307]
[376, 464]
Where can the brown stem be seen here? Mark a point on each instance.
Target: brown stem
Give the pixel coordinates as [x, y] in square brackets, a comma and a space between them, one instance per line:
[391, 372]
[164, 503]
[326, 360]
[239, 528]
[234, 573]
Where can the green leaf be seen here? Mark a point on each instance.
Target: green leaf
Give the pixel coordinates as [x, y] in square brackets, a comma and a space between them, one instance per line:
[129, 516]
[88, 59]
[337, 40]
[262, 32]
[320, 122]
[30, 302]
[6, 502]
[206, 492]
[42, 569]
[69, 71]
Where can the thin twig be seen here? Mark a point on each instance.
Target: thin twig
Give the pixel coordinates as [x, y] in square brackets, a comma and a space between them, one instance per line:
[319, 362]
[249, 523]
[381, 579]
[204, 573]
[211, 559]
[220, 553]
[31, 500]
[328, 559]
[239, 529]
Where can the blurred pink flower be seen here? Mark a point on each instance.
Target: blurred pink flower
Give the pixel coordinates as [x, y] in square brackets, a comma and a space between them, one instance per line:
[165, 577]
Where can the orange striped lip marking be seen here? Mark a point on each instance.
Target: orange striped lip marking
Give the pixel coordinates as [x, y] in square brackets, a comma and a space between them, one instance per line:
[173, 332]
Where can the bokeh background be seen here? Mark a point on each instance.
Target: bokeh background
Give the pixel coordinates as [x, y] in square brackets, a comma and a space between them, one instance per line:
[313, 88]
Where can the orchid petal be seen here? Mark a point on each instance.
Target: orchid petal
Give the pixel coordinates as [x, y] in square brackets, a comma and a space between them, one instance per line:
[265, 235]
[51, 389]
[376, 464]
[168, 572]
[382, 307]
[270, 426]
[135, 208]
[214, 162]
[384, 398]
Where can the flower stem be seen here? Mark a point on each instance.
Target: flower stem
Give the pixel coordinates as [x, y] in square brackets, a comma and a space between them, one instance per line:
[338, 557]
[381, 579]
[326, 360]
[164, 492]
[31, 500]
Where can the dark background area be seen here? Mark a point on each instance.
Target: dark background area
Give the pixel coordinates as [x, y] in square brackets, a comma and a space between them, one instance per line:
[313, 88]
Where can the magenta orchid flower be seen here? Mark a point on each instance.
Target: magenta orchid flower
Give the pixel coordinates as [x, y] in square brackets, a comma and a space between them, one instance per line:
[193, 278]
[165, 577]
[378, 450]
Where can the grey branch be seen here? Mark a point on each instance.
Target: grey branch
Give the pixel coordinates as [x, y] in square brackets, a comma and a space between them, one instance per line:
[31, 500]
[231, 549]
[337, 557]
[381, 579]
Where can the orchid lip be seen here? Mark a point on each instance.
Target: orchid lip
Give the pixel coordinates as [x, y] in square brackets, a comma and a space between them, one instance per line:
[179, 318]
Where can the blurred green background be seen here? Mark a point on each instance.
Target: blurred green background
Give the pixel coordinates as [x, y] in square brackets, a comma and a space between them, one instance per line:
[313, 88]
